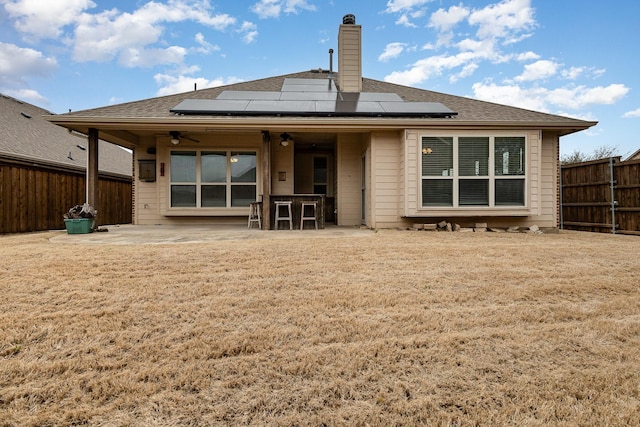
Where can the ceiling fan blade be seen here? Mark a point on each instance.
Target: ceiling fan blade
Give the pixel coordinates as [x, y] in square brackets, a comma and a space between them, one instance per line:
[189, 138]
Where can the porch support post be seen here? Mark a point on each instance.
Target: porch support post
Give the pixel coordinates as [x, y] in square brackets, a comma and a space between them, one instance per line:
[266, 180]
[92, 169]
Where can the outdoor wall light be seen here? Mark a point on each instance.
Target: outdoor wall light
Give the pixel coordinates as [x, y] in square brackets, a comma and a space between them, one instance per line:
[285, 138]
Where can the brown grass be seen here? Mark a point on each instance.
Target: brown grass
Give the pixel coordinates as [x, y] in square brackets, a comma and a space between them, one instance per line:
[402, 328]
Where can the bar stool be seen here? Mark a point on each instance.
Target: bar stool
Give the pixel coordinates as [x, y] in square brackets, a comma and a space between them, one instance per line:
[287, 217]
[254, 214]
[304, 218]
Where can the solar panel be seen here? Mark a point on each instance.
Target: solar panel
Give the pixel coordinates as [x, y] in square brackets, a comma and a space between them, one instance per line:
[249, 95]
[311, 97]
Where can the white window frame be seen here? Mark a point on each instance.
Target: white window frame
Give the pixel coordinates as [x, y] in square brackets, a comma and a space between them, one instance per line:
[491, 177]
[198, 183]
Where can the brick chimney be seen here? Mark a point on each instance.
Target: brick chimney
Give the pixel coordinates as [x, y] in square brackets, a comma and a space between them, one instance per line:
[350, 55]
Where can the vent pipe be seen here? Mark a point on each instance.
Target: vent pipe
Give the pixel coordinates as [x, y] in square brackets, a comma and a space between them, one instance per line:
[330, 63]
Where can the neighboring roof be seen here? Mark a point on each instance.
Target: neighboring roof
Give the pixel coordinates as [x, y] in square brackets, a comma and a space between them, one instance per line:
[634, 156]
[470, 112]
[25, 135]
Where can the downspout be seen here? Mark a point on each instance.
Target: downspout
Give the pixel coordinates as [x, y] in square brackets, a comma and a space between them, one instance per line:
[612, 184]
[561, 199]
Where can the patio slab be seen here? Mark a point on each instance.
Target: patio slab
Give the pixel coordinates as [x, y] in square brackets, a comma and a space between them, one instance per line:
[163, 234]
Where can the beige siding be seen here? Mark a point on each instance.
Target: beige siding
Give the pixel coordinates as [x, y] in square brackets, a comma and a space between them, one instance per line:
[350, 58]
[411, 173]
[386, 181]
[350, 148]
[549, 185]
[146, 193]
[282, 161]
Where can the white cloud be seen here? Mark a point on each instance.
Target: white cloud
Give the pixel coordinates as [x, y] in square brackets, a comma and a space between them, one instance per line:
[293, 6]
[538, 70]
[404, 21]
[267, 8]
[35, 19]
[632, 114]
[426, 68]
[471, 52]
[146, 58]
[18, 62]
[29, 95]
[205, 46]
[394, 6]
[532, 99]
[543, 99]
[393, 50]
[573, 73]
[444, 20]
[581, 96]
[110, 34]
[250, 31]
[171, 84]
[504, 19]
[467, 71]
[527, 56]
[273, 8]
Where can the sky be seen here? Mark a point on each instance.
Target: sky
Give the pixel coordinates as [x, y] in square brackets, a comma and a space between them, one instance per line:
[576, 58]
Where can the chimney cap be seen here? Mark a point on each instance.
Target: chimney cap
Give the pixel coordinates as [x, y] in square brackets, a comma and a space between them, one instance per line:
[349, 19]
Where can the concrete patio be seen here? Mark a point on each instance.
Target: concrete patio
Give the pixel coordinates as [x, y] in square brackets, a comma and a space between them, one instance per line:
[163, 234]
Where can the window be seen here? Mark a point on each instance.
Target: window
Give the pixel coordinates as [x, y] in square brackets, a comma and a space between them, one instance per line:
[510, 161]
[320, 174]
[213, 179]
[473, 171]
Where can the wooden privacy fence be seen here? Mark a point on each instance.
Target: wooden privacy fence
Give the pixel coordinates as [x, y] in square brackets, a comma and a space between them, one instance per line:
[602, 196]
[34, 198]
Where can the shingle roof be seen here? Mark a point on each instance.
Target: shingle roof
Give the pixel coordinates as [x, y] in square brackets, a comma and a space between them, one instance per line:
[469, 110]
[26, 135]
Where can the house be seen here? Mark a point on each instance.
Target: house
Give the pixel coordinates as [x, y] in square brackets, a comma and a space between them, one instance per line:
[43, 168]
[378, 154]
[634, 156]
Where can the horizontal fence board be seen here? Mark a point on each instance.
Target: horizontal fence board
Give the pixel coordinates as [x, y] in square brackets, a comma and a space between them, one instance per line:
[587, 224]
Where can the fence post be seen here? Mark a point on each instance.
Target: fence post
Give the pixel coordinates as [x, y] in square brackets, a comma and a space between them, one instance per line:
[561, 198]
[612, 183]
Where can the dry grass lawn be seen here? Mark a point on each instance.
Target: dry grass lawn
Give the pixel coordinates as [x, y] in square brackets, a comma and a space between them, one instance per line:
[401, 328]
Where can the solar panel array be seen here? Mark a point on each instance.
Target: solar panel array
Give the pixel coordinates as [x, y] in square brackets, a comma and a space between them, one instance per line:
[311, 97]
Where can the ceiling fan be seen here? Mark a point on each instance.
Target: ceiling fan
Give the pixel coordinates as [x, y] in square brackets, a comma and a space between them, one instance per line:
[176, 137]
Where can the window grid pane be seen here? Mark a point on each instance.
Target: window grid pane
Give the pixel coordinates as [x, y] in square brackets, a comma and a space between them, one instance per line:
[242, 195]
[437, 156]
[473, 156]
[474, 192]
[214, 196]
[214, 166]
[183, 166]
[437, 192]
[243, 167]
[510, 192]
[510, 155]
[183, 196]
